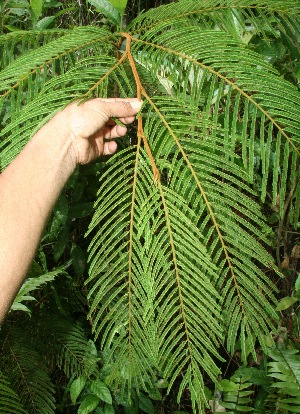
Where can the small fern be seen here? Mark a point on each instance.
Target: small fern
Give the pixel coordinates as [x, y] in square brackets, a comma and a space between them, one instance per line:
[28, 286]
[236, 394]
[285, 370]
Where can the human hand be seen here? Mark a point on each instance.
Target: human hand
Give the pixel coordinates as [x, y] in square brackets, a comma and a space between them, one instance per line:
[90, 124]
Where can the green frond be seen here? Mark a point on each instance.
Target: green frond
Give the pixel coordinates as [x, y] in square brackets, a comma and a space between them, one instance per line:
[193, 210]
[217, 203]
[32, 351]
[64, 344]
[9, 399]
[221, 77]
[236, 394]
[27, 373]
[285, 370]
[79, 71]
[165, 303]
[29, 285]
[14, 44]
[179, 252]
[258, 17]
[59, 51]
[79, 80]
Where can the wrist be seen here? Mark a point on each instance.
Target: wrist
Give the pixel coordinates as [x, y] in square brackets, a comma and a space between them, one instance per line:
[55, 141]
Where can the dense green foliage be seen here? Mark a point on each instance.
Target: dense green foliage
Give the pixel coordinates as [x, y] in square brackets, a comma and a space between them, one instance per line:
[166, 280]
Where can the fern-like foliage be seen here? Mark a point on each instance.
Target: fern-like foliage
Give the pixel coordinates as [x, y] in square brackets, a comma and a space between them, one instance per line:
[28, 286]
[65, 345]
[236, 394]
[32, 354]
[285, 370]
[9, 400]
[27, 373]
[179, 247]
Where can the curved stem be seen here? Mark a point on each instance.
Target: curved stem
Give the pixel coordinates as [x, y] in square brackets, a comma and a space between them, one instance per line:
[140, 92]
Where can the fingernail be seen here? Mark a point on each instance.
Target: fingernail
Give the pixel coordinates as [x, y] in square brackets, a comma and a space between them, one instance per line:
[136, 104]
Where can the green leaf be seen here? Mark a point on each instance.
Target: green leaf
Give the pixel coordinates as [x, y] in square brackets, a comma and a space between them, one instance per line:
[119, 5]
[102, 391]
[286, 303]
[44, 23]
[19, 3]
[76, 388]
[272, 51]
[20, 307]
[105, 7]
[37, 7]
[11, 28]
[78, 257]
[89, 404]
[81, 210]
[60, 216]
[297, 283]
[154, 394]
[145, 404]
[109, 409]
[236, 394]
[254, 375]
[227, 385]
[17, 11]
[61, 242]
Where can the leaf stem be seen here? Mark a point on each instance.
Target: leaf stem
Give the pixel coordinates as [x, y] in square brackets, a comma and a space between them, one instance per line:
[140, 92]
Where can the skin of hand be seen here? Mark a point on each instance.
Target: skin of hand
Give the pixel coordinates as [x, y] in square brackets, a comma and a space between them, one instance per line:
[90, 124]
[31, 184]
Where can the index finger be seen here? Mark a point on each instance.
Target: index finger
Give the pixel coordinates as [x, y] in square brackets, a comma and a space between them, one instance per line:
[116, 107]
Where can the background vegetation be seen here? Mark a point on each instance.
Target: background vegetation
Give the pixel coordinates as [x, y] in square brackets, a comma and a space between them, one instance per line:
[50, 359]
